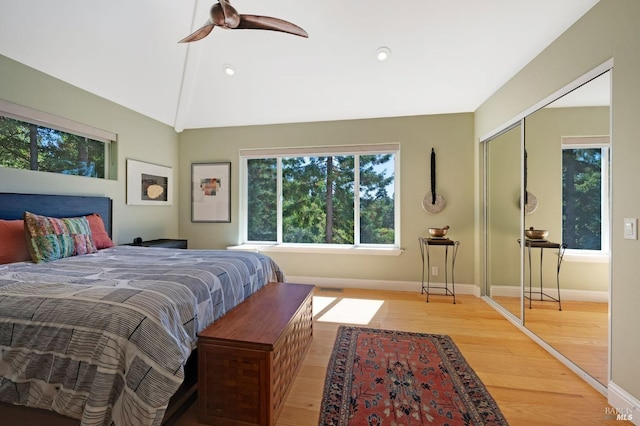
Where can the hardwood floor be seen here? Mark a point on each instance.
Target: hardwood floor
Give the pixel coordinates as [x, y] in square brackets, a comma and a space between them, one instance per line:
[580, 331]
[530, 386]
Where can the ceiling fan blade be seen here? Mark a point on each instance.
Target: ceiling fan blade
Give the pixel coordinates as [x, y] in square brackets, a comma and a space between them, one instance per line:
[253, 22]
[199, 33]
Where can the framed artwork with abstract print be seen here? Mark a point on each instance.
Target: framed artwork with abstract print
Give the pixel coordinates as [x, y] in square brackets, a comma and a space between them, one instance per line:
[211, 192]
[149, 184]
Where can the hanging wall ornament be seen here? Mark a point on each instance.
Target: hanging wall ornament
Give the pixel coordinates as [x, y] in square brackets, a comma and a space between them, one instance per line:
[432, 201]
[530, 200]
[531, 203]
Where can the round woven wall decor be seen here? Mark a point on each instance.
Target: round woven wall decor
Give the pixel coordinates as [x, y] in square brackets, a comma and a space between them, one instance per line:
[531, 204]
[428, 205]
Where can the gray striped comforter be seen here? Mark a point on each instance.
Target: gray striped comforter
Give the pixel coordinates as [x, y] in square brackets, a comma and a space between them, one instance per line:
[104, 337]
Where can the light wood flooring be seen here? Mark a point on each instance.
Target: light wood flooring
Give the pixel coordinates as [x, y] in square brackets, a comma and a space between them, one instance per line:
[530, 386]
[580, 331]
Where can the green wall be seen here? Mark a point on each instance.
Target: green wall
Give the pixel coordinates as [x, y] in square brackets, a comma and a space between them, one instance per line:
[543, 133]
[452, 137]
[609, 30]
[503, 212]
[139, 138]
[147, 140]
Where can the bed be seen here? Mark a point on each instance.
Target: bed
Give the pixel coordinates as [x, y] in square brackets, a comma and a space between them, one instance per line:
[105, 337]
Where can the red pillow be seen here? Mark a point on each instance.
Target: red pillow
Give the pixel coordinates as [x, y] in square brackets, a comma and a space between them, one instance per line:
[98, 231]
[13, 244]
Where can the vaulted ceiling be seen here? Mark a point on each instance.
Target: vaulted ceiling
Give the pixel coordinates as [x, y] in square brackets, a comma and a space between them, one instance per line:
[447, 56]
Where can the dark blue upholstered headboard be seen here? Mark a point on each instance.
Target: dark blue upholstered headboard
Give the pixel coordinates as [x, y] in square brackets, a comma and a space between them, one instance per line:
[13, 206]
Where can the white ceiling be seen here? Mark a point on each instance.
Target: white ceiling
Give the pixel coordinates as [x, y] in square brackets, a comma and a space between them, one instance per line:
[448, 56]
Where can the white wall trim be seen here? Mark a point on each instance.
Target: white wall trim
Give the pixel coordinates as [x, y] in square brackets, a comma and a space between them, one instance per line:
[23, 113]
[566, 294]
[624, 403]
[340, 249]
[382, 148]
[505, 291]
[413, 286]
[600, 69]
[579, 256]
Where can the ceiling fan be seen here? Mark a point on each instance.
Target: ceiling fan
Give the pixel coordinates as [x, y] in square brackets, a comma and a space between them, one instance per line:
[226, 16]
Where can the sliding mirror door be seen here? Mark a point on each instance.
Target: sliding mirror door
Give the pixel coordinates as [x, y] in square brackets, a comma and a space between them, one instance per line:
[503, 219]
[567, 147]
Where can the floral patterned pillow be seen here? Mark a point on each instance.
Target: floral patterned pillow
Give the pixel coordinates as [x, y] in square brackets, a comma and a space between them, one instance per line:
[50, 238]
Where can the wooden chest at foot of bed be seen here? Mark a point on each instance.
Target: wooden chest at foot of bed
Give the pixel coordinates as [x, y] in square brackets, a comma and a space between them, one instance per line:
[248, 359]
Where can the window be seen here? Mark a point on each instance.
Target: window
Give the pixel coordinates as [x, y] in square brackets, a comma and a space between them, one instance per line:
[585, 194]
[343, 196]
[33, 140]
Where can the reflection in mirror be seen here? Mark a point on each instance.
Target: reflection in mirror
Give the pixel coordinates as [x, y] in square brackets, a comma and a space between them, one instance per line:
[567, 145]
[502, 191]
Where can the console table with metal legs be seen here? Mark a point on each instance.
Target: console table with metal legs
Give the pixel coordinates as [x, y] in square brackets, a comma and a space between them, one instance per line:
[425, 244]
[528, 294]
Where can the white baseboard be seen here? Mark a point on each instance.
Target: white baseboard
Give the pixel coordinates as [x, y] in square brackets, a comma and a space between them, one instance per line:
[413, 286]
[626, 406]
[566, 294]
[505, 291]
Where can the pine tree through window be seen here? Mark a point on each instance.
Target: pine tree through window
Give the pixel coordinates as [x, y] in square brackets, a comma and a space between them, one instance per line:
[332, 198]
[35, 140]
[585, 193]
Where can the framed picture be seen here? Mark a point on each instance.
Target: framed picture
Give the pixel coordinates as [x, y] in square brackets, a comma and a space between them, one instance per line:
[149, 184]
[211, 192]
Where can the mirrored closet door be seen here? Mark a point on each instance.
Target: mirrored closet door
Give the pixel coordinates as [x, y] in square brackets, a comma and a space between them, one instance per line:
[502, 219]
[567, 145]
[558, 155]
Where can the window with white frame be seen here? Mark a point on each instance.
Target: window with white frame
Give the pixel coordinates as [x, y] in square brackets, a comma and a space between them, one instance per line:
[34, 140]
[585, 194]
[342, 195]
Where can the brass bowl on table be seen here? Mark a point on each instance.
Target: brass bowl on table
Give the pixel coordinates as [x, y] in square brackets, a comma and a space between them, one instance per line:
[536, 234]
[438, 232]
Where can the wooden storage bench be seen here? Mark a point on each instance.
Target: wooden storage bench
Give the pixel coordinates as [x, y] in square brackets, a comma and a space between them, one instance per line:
[248, 359]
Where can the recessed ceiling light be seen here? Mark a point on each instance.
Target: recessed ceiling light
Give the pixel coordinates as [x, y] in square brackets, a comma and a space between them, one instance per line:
[383, 53]
[228, 69]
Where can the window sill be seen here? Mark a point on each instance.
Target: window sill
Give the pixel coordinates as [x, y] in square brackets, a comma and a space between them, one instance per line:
[576, 256]
[318, 249]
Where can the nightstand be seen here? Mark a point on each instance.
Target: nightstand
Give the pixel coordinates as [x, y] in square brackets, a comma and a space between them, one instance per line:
[163, 243]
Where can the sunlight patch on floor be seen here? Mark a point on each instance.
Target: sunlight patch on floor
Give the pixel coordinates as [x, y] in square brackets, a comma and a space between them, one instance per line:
[352, 311]
[320, 303]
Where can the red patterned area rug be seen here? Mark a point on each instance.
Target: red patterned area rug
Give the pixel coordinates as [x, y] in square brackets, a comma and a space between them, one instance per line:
[383, 377]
